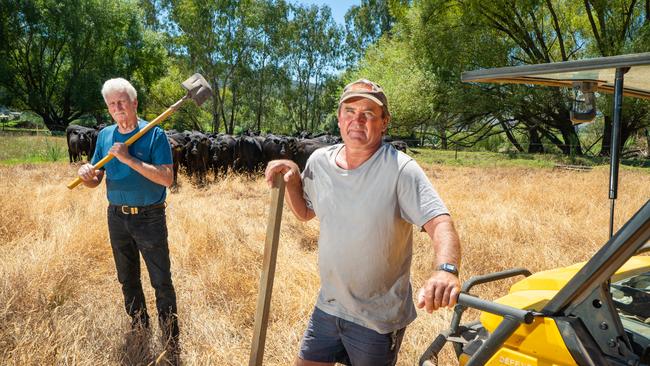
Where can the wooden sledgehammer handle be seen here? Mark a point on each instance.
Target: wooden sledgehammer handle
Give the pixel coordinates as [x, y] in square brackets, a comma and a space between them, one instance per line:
[268, 271]
[135, 137]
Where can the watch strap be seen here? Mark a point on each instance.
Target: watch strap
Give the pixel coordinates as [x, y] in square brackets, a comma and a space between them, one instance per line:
[448, 267]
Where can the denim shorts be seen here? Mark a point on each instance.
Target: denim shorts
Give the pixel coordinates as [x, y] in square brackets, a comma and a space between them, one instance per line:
[331, 339]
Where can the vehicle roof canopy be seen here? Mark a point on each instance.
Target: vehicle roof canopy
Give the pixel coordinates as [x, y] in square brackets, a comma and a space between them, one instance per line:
[601, 70]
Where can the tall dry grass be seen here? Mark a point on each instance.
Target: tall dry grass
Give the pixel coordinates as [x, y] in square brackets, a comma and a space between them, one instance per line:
[60, 302]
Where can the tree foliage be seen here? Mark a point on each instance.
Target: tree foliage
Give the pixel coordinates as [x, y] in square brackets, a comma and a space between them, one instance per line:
[279, 66]
[448, 37]
[367, 22]
[263, 58]
[56, 54]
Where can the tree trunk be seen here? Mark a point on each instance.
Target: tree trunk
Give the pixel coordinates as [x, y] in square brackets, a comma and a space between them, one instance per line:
[216, 102]
[99, 117]
[259, 111]
[624, 135]
[443, 138]
[232, 110]
[423, 131]
[571, 141]
[557, 142]
[215, 114]
[260, 95]
[510, 136]
[54, 125]
[535, 141]
[607, 137]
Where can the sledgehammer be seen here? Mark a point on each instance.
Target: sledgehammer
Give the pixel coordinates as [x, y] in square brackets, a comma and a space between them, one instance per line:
[197, 89]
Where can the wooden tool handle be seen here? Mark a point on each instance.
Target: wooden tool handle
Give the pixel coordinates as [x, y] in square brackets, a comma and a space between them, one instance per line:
[268, 271]
[99, 164]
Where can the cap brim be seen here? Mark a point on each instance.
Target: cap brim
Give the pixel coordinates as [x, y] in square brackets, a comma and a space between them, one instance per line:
[361, 95]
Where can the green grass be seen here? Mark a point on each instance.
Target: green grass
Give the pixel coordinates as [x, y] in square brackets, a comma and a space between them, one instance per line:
[15, 149]
[493, 159]
[32, 149]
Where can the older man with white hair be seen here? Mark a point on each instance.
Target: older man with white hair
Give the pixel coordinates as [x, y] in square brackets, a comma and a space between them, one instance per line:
[136, 183]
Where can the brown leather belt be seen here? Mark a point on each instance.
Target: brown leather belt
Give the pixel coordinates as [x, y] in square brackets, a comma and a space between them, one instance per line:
[134, 210]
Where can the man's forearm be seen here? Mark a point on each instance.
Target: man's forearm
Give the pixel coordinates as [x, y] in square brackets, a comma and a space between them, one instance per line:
[445, 240]
[297, 203]
[159, 174]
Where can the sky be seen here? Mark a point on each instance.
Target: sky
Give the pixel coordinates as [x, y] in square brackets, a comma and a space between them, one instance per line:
[339, 7]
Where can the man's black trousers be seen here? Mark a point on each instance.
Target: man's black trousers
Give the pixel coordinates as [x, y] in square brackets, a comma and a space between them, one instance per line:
[143, 233]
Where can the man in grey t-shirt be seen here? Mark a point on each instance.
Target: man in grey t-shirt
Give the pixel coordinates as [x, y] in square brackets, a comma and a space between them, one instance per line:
[367, 196]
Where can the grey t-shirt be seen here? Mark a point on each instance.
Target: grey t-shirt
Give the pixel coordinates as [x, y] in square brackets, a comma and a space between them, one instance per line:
[365, 246]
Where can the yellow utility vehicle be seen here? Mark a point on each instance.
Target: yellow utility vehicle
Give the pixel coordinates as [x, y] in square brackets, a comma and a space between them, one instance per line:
[595, 313]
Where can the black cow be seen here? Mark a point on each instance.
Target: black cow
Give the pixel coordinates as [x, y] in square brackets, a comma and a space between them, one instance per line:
[277, 147]
[81, 141]
[399, 145]
[177, 141]
[197, 156]
[328, 139]
[222, 153]
[248, 154]
[304, 149]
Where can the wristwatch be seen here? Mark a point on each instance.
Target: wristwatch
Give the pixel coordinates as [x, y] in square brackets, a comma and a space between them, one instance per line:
[448, 267]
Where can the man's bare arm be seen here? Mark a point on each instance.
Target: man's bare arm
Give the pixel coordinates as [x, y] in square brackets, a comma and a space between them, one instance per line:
[445, 240]
[442, 288]
[159, 174]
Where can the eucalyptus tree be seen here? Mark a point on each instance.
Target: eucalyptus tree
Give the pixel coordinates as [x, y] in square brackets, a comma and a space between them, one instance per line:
[269, 51]
[54, 55]
[315, 44]
[367, 22]
[218, 36]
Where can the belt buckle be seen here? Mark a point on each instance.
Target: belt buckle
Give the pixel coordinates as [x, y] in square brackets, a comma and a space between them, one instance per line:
[126, 210]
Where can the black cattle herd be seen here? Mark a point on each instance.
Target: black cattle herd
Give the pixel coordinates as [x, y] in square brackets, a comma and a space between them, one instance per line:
[199, 154]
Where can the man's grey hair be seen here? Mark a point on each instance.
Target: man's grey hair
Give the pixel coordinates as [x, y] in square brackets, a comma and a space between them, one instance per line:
[118, 85]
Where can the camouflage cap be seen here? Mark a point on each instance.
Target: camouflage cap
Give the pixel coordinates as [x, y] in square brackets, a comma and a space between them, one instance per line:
[364, 88]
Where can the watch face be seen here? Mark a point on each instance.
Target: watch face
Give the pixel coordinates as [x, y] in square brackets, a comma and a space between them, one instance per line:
[448, 267]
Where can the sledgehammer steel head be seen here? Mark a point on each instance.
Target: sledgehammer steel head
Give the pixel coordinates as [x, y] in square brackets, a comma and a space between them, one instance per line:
[197, 88]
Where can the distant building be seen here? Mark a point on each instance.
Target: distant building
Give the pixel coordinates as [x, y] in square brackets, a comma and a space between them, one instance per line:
[7, 115]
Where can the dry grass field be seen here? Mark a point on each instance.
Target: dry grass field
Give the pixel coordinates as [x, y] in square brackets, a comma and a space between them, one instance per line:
[60, 302]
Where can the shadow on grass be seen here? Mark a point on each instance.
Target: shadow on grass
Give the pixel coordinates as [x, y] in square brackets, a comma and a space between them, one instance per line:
[638, 163]
[136, 348]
